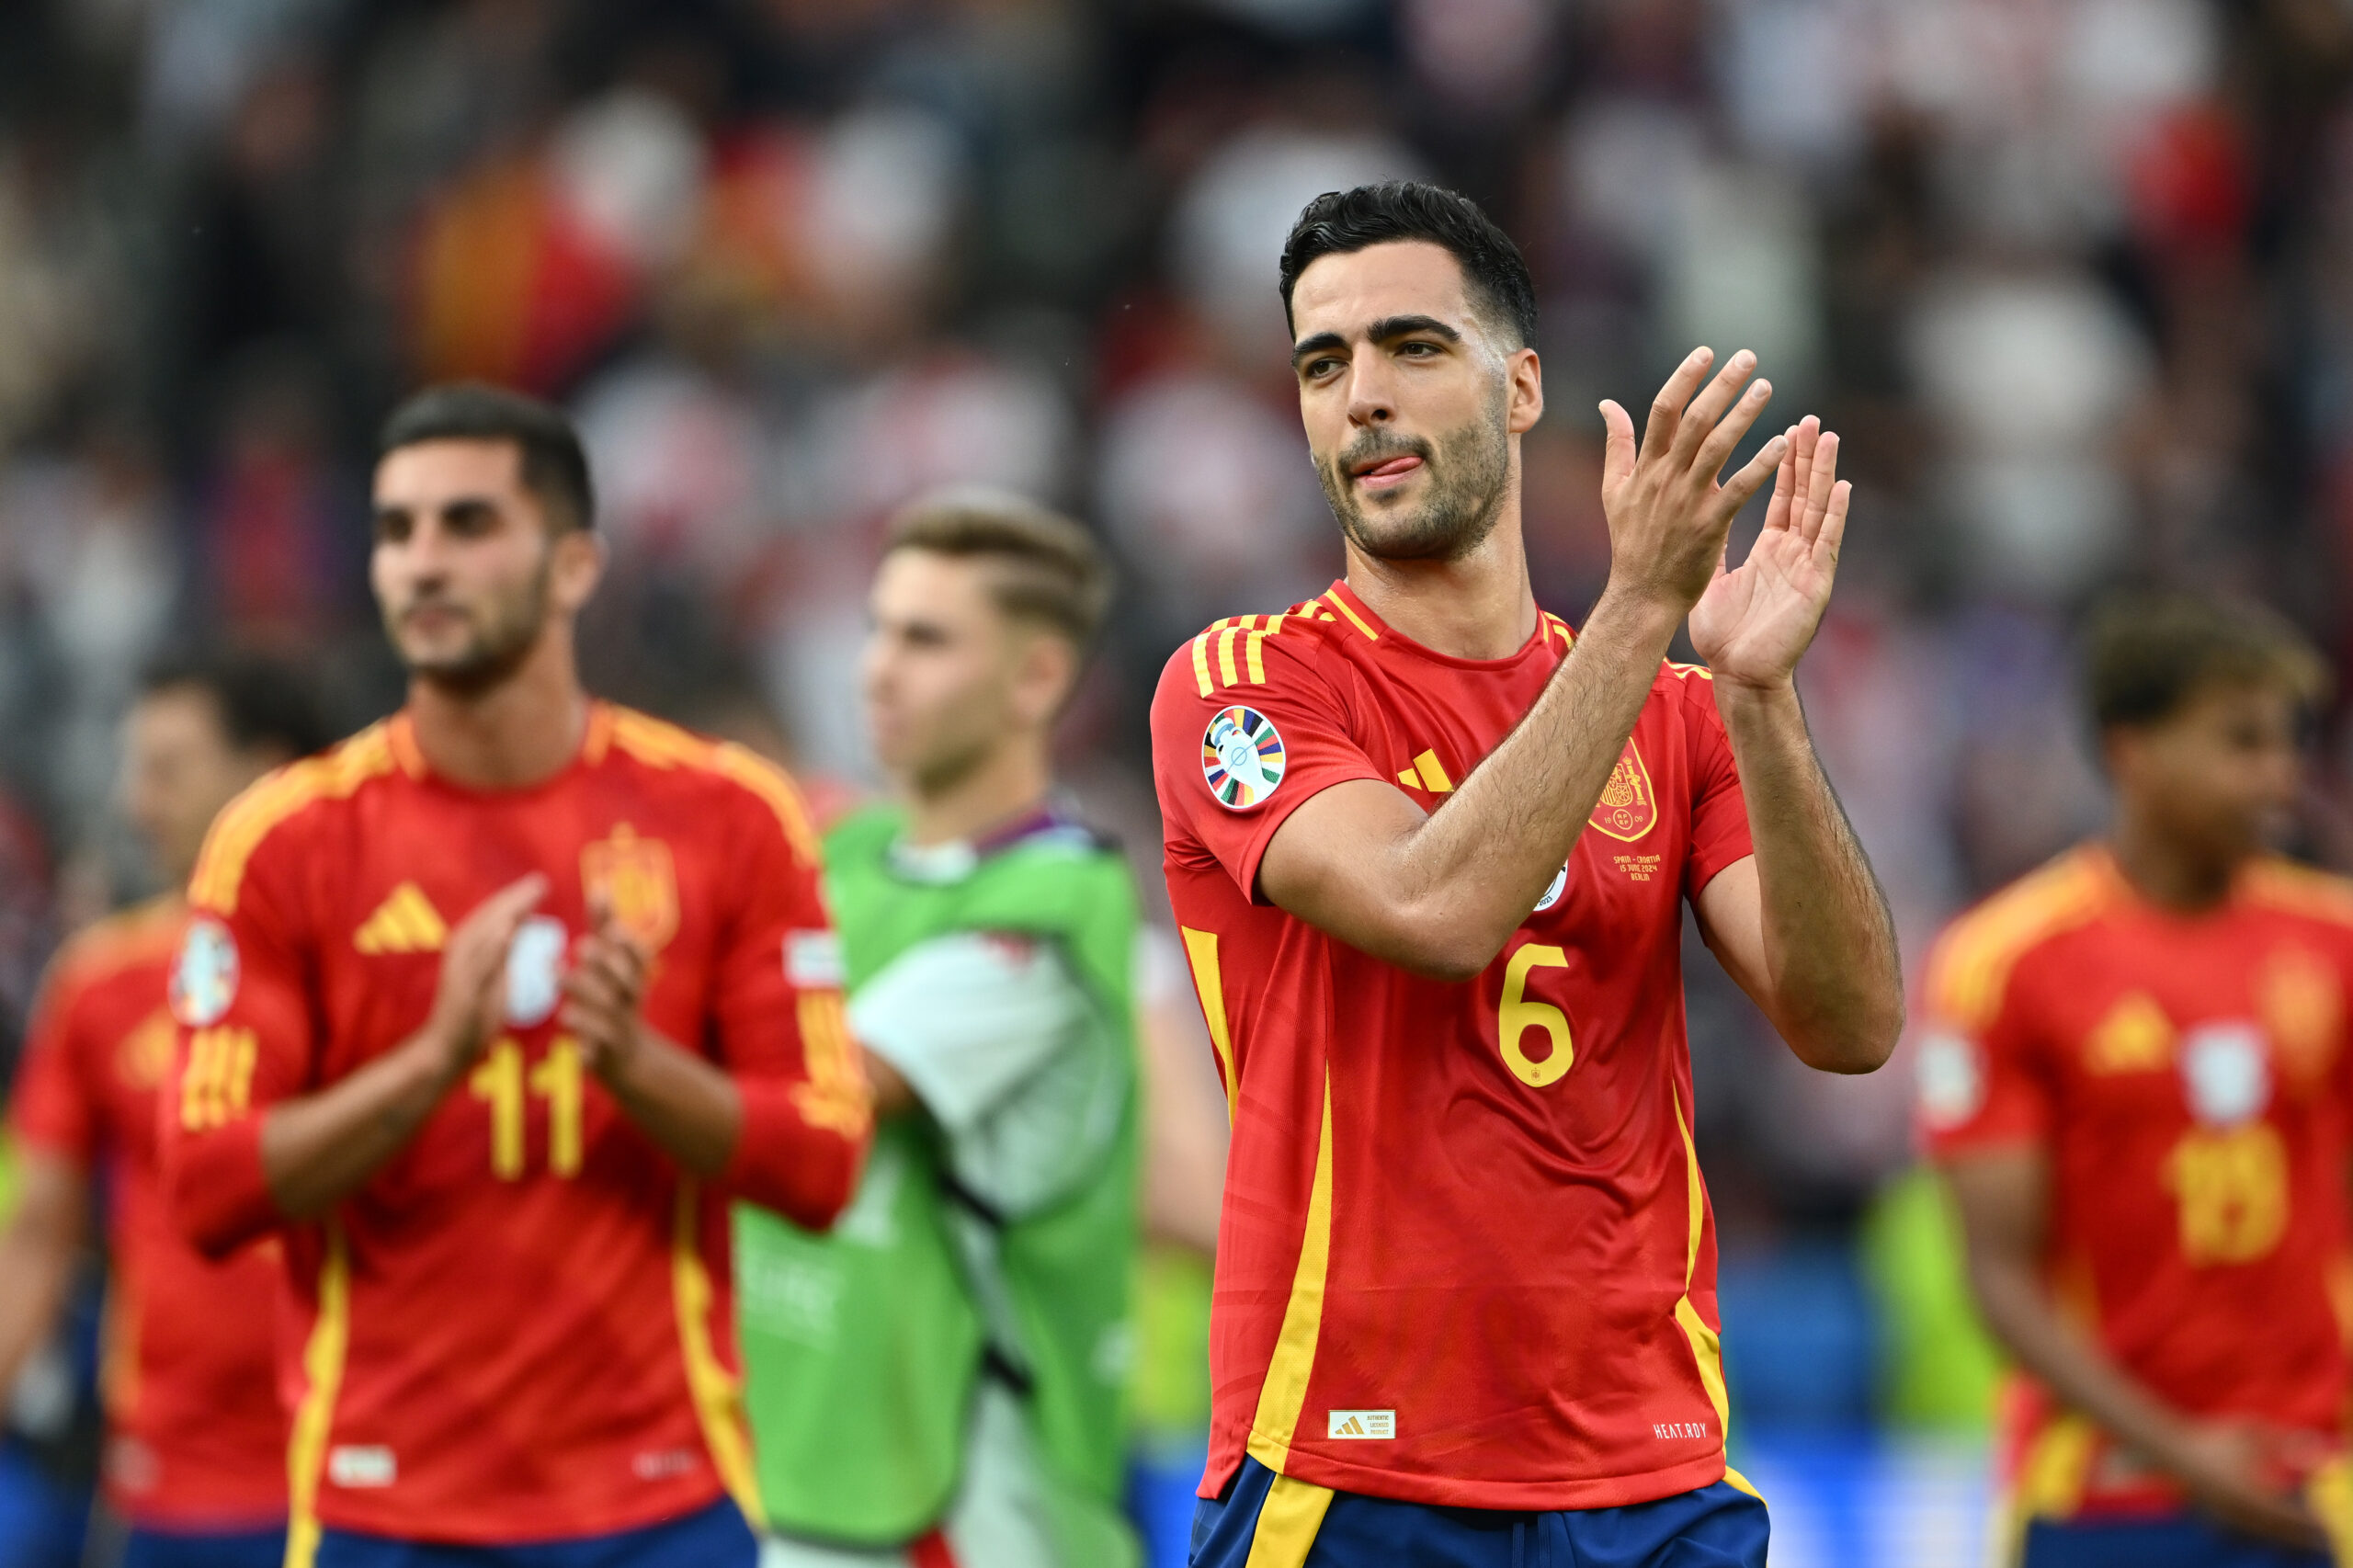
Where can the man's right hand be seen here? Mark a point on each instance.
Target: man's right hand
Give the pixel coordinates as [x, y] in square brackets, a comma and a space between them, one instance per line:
[1668, 517]
[2227, 1469]
[469, 1002]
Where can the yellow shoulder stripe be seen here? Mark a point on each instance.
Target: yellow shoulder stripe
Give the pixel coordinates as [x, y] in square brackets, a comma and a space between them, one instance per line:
[1233, 652]
[1332, 597]
[659, 744]
[2300, 890]
[1972, 964]
[253, 816]
[1684, 672]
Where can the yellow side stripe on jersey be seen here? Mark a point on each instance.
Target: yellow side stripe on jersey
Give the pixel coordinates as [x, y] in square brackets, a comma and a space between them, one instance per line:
[718, 1393]
[1284, 1395]
[1209, 982]
[1332, 598]
[322, 1356]
[1707, 1346]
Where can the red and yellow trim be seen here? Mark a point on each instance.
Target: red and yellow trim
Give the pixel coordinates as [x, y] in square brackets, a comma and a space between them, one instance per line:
[1208, 983]
[1283, 1396]
[1288, 1522]
[718, 1393]
[1233, 652]
[253, 816]
[323, 1360]
[1970, 967]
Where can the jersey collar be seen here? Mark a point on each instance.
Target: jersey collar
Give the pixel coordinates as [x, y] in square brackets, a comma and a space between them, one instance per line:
[1340, 602]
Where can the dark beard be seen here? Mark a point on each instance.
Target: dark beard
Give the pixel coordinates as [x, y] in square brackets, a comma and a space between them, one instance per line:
[1468, 471]
[499, 651]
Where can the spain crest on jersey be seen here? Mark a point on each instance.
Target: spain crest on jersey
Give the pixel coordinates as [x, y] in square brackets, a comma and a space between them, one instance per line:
[1242, 757]
[1629, 807]
[636, 876]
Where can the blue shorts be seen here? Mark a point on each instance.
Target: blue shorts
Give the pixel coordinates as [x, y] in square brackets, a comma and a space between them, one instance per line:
[2179, 1541]
[1307, 1527]
[715, 1537]
[143, 1548]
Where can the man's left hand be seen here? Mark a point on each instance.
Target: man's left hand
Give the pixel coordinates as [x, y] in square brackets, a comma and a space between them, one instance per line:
[1753, 625]
[602, 994]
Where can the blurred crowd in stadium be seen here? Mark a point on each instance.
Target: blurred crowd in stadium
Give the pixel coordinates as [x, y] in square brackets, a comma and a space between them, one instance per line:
[2071, 277]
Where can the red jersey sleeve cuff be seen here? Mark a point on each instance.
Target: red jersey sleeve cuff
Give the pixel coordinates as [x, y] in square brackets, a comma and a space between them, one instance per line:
[220, 1197]
[801, 1150]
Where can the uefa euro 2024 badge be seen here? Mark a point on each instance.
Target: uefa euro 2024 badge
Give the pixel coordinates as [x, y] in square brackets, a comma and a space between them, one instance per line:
[534, 971]
[2226, 1072]
[1242, 757]
[204, 981]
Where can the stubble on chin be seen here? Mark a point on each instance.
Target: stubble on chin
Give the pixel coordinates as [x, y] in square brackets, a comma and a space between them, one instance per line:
[1464, 481]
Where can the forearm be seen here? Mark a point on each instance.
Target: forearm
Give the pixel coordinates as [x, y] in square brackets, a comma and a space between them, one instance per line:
[688, 1106]
[318, 1149]
[36, 1253]
[1468, 875]
[2018, 1311]
[1834, 981]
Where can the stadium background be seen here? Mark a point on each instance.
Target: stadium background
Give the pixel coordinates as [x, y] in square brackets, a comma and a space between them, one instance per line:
[2075, 279]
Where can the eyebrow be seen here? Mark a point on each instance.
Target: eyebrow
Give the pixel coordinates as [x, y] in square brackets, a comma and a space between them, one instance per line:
[1387, 329]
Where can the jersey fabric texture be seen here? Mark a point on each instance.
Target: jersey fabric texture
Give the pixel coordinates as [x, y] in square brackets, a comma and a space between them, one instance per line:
[1271, 1521]
[2188, 1078]
[1466, 1256]
[714, 1537]
[993, 1236]
[196, 1436]
[520, 1328]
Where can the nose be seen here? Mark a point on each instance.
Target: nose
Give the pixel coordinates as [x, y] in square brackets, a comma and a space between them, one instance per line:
[1371, 394]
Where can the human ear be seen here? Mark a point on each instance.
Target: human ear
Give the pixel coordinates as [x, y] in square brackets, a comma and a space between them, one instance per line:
[577, 567]
[1525, 376]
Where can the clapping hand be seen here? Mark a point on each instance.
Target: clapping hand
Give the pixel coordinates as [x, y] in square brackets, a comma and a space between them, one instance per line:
[1754, 623]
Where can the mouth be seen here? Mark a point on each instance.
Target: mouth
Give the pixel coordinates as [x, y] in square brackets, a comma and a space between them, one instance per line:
[1385, 472]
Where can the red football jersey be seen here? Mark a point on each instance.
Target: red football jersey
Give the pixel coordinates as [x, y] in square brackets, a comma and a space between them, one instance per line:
[195, 1439]
[521, 1327]
[2188, 1078]
[1466, 1256]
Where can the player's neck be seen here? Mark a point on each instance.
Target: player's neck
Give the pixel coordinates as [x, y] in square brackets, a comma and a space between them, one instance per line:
[523, 730]
[1010, 782]
[1480, 606]
[2167, 872]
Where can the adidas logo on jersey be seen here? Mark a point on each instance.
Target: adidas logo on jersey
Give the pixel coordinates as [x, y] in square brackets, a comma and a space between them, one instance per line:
[1370, 1423]
[405, 923]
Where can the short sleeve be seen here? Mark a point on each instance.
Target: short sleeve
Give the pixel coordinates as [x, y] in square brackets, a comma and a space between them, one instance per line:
[1719, 810]
[1981, 1084]
[240, 995]
[1242, 737]
[52, 1106]
[782, 1036]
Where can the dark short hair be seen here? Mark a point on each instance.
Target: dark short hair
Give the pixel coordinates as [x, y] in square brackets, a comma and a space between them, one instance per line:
[2148, 654]
[1493, 273]
[1049, 570]
[555, 468]
[262, 702]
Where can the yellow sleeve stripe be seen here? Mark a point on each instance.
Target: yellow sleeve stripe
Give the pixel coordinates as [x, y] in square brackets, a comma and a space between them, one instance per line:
[1971, 968]
[1332, 597]
[1233, 652]
[658, 744]
[253, 816]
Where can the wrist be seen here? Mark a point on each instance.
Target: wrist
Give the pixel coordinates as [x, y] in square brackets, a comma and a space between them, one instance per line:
[1641, 615]
[1737, 693]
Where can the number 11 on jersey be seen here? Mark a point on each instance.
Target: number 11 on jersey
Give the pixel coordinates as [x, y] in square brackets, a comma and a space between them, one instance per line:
[556, 1078]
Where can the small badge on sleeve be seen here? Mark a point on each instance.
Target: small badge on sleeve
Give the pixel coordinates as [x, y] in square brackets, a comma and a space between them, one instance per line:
[204, 981]
[1242, 757]
[1952, 1079]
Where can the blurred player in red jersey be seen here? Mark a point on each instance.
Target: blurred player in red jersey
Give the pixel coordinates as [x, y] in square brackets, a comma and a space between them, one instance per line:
[196, 1442]
[2134, 1074]
[1429, 854]
[492, 1009]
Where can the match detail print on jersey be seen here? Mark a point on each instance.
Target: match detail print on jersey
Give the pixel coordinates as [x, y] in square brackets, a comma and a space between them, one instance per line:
[1242, 757]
